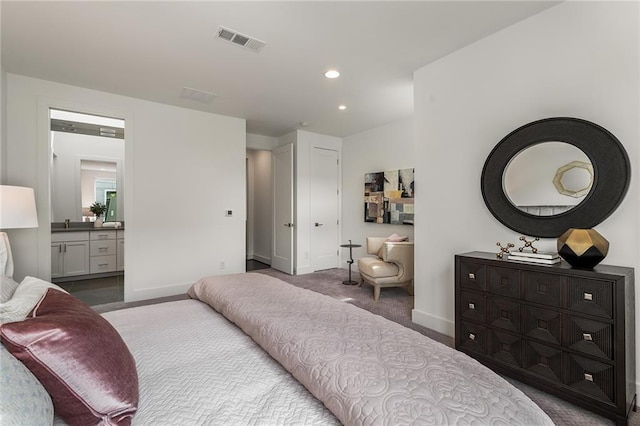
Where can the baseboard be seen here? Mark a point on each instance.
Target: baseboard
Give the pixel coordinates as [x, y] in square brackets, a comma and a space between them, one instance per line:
[304, 270]
[153, 293]
[432, 322]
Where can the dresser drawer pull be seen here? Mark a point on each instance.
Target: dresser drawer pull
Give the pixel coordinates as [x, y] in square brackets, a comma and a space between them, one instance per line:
[472, 336]
[103, 248]
[588, 296]
[587, 337]
[588, 377]
[472, 276]
[472, 306]
[102, 265]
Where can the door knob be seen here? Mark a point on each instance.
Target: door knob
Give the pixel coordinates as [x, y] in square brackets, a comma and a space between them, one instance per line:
[318, 224]
[289, 225]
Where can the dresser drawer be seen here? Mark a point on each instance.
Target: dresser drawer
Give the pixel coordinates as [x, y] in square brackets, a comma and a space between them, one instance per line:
[473, 306]
[103, 235]
[589, 337]
[505, 347]
[543, 360]
[591, 297]
[592, 378]
[473, 338]
[542, 324]
[543, 288]
[102, 248]
[103, 264]
[504, 281]
[57, 237]
[504, 313]
[472, 275]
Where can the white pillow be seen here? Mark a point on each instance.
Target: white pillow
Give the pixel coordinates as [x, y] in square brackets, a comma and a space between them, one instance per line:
[23, 399]
[24, 299]
[7, 288]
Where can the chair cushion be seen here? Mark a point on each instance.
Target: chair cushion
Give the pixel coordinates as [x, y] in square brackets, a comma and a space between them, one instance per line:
[394, 238]
[376, 267]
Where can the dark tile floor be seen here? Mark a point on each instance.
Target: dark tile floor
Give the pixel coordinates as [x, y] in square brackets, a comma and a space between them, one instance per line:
[254, 265]
[98, 291]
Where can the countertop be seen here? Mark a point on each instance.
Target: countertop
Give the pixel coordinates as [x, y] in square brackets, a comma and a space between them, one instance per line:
[82, 227]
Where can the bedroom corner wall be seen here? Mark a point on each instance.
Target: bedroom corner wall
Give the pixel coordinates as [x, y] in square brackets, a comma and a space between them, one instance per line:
[259, 206]
[3, 117]
[179, 180]
[383, 148]
[3, 126]
[259, 197]
[578, 59]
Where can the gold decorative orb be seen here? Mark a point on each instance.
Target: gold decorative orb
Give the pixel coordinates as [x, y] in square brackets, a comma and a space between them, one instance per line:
[582, 248]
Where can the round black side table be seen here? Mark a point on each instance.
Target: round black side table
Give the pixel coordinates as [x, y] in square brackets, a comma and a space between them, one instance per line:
[350, 261]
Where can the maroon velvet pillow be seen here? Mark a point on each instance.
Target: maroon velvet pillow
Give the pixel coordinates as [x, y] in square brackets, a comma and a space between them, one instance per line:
[79, 358]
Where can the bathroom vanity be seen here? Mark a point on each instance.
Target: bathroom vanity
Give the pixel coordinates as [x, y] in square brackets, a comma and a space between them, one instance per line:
[82, 252]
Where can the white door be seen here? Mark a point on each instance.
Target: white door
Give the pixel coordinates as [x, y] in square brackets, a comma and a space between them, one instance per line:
[324, 175]
[282, 257]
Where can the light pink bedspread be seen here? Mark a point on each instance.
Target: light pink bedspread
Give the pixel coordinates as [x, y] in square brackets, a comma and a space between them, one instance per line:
[366, 369]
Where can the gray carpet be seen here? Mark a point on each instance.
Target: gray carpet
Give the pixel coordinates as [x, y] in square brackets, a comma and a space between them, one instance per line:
[396, 304]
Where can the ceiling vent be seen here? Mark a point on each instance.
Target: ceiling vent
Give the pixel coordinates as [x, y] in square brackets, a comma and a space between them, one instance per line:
[242, 40]
[197, 95]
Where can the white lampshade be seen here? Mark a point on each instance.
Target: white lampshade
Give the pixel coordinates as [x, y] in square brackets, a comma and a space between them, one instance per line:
[17, 207]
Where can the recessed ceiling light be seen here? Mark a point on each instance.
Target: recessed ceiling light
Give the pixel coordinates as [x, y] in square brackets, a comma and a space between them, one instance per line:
[332, 74]
[342, 107]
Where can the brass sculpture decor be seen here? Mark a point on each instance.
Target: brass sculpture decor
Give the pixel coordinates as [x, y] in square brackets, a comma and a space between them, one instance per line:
[582, 248]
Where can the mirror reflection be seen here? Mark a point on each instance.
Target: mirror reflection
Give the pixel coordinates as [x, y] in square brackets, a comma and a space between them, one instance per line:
[86, 166]
[548, 178]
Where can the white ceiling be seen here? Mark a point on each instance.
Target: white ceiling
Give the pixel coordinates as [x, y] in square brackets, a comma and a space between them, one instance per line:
[151, 50]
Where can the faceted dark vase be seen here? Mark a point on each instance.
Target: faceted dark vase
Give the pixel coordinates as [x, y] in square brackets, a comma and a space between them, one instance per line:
[582, 248]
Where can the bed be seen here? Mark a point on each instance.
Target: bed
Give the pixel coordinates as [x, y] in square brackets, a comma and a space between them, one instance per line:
[249, 349]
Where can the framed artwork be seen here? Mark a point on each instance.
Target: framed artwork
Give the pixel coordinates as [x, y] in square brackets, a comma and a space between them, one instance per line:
[388, 197]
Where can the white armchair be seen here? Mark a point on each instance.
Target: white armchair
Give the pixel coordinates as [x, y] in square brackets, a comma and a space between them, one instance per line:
[393, 269]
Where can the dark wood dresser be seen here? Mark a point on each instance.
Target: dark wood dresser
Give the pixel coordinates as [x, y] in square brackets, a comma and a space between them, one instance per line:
[568, 332]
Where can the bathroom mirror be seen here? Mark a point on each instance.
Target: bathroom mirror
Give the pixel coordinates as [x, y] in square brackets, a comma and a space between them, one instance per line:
[86, 165]
[573, 140]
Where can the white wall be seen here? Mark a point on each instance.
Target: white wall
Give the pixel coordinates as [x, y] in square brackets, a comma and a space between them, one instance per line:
[259, 197]
[3, 117]
[390, 147]
[259, 206]
[183, 169]
[576, 59]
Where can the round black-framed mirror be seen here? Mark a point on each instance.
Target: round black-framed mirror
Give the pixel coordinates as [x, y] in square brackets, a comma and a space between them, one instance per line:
[611, 170]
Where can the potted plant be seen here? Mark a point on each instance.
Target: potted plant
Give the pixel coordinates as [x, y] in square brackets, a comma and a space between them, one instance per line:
[98, 209]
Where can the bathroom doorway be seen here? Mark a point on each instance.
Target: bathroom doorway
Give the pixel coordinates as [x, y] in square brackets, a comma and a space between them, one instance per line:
[87, 170]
